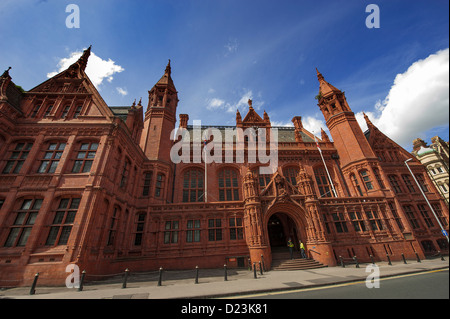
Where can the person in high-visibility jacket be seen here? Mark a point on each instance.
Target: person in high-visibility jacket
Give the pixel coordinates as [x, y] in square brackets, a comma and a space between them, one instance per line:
[290, 244]
[302, 249]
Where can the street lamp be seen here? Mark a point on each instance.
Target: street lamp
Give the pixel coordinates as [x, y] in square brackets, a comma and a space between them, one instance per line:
[429, 205]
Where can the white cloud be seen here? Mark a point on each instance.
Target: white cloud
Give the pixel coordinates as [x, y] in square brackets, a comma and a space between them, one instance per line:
[281, 124]
[314, 125]
[215, 103]
[417, 101]
[97, 69]
[122, 91]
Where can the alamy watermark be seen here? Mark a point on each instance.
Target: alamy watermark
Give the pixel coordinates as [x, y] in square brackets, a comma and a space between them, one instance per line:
[73, 19]
[373, 279]
[73, 280]
[373, 19]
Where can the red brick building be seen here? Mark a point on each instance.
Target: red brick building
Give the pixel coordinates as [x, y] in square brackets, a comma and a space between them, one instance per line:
[82, 182]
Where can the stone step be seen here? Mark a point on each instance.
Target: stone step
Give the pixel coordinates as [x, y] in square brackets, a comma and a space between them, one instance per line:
[295, 264]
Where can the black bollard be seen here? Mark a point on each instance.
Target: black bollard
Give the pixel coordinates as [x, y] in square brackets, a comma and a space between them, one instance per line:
[160, 276]
[260, 269]
[262, 260]
[373, 261]
[33, 286]
[83, 274]
[342, 261]
[389, 260]
[254, 271]
[196, 274]
[404, 259]
[125, 278]
[418, 258]
[225, 278]
[356, 260]
[440, 255]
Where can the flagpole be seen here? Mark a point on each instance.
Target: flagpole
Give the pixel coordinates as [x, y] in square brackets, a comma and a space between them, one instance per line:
[325, 165]
[206, 175]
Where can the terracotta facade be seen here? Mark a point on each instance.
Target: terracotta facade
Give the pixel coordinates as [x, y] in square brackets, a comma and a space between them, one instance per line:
[88, 184]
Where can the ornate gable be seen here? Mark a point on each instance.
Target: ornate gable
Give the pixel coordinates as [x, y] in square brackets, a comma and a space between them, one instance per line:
[71, 89]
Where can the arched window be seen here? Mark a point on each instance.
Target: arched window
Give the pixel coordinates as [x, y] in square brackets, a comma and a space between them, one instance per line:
[139, 228]
[322, 182]
[356, 184]
[51, 156]
[366, 179]
[193, 188]
[393, 180]
[290, 173]
[85, 155]
[421, 181]
[408, 183]
[378, 178]
[147, 183]
[228, 185]
[159, 187]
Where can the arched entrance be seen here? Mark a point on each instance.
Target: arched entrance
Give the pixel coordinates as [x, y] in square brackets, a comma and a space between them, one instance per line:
[281, 228]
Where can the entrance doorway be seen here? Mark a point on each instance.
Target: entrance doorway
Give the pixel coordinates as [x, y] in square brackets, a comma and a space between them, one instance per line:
[280, 228]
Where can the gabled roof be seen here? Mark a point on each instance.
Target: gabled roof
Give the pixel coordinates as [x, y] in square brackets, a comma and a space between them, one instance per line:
[75, 74]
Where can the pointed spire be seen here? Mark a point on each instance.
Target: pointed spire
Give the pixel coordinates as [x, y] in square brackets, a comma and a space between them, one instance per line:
[368, 121]
[325, 87]
[319, 76]
[324, 136]
[168, 70]
[166, 79]
[266, 116]
[84, 58]
[250, 103]
[238, 117]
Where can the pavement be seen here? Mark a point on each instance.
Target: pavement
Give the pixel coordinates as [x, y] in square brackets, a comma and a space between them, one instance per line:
[211, 283]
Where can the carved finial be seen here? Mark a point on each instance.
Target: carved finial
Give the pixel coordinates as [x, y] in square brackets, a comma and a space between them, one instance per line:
[368, 121]
[250, 103]
[324, 135]
[168, 68]
[84, 58]
[319, 75]
[6, 73]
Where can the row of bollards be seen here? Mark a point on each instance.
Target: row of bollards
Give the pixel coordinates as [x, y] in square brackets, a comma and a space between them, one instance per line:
[127, 273]
[255, 265]
[355, 259]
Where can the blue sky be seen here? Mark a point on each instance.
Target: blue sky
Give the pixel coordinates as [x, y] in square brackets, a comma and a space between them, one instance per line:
[224, 52]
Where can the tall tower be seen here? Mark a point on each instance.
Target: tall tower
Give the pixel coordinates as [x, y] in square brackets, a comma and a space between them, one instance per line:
[347, 135]
[160, 118]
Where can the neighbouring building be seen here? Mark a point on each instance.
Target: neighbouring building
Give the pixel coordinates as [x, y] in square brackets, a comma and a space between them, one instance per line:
[435, 159]
[85, 183]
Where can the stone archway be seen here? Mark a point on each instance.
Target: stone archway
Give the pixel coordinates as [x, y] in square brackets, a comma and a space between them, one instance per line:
[281, 228]
[285, 220]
